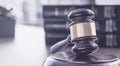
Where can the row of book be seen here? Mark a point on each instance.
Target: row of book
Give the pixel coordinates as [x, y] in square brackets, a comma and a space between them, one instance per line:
[58, 11]
[100, 11]
[108, 25]
[108, 40]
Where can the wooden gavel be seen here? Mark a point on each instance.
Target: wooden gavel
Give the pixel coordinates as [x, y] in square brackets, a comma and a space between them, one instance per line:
[82, 33]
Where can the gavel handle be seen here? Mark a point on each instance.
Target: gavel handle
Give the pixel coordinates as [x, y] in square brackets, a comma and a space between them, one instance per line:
[58, 46]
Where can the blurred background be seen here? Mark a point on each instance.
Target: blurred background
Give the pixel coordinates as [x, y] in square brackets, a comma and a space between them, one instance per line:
[29, 27]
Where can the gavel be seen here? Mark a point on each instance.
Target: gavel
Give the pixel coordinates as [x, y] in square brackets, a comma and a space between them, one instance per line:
[82, 33]
[82, 36]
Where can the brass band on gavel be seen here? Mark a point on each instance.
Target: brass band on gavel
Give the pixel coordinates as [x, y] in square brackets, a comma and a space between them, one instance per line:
[82, 29]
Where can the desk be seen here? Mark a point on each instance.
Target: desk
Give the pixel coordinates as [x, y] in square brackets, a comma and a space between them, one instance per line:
[26, 49]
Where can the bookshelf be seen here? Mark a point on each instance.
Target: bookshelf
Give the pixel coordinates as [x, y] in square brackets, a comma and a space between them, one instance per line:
[106, 18]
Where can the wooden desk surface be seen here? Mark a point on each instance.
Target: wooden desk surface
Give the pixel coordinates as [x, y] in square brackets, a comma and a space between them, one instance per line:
[28, 48]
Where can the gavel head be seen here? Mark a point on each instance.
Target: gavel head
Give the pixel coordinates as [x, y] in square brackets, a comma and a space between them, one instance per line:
[82, 31]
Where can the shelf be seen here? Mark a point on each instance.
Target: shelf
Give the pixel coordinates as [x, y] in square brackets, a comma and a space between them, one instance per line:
[66, 2]
[107, 2]
[51, 35]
